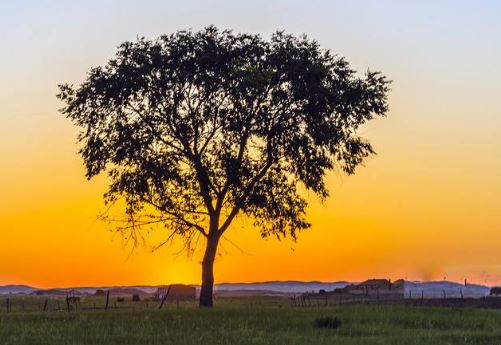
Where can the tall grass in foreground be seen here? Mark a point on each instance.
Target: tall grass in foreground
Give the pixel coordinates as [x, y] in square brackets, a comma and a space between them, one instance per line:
[254, 322]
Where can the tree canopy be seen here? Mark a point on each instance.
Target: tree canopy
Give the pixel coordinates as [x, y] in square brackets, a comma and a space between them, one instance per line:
[203, 126]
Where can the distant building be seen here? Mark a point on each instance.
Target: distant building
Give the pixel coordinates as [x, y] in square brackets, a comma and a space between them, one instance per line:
[374, 286]
[177, 292]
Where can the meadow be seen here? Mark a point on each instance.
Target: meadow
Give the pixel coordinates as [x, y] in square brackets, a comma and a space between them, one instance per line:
[249, 321]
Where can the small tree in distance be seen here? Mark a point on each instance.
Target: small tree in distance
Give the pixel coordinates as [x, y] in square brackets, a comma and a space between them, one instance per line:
[195, 128]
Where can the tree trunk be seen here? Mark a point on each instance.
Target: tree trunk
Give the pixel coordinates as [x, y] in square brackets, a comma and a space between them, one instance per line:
[208, 272]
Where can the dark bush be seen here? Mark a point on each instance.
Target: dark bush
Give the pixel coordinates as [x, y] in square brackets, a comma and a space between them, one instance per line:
[327, 322]
[495, 291]
[100, 292]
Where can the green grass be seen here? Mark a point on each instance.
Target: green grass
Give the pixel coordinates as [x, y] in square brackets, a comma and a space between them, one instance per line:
[252, 321]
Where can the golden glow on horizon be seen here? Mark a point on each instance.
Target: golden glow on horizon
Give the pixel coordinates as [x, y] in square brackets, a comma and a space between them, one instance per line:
[395, 217]
[426, 207]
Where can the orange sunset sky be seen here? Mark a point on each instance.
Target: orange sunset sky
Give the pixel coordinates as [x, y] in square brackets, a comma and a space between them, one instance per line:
[426, 207]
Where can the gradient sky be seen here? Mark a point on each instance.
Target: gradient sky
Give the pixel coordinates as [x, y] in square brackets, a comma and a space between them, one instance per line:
[426, 207]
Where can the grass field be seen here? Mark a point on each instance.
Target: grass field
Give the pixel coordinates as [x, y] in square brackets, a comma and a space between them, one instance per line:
[253, 321]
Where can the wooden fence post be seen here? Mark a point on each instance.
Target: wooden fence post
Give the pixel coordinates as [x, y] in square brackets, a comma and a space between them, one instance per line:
[164, 298]
[107, 300]
[45, 305]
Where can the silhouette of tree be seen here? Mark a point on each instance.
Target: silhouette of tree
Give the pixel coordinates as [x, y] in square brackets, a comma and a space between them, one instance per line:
[195, 128]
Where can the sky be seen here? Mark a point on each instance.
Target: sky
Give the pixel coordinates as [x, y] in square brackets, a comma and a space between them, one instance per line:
[427, 206]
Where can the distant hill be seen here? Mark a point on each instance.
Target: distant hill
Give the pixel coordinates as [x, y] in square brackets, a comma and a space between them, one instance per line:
[247, 293]
[56, 292]
[126, 291]
[16, 289]
[436, 289]
[270, 287]
[118, 290]
[115, 290]
[433, 289]
[284, 287]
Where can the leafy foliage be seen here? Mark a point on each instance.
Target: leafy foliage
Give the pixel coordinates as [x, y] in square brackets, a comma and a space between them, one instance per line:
[201, 126]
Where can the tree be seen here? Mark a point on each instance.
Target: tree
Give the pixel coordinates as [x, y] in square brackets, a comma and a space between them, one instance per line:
[195, 128]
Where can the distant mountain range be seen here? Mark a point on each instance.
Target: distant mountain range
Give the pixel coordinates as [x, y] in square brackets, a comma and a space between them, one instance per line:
[16, 289]
[284, 287]
[271, 287]
[411, 289]
[437, 289]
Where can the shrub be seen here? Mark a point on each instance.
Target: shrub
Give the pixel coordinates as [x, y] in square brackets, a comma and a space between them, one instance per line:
[327, 322]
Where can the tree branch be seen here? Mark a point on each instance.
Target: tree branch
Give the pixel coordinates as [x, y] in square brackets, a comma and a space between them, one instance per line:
[176, 216]
[250, 186]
